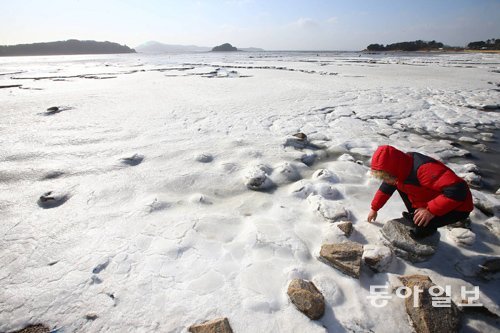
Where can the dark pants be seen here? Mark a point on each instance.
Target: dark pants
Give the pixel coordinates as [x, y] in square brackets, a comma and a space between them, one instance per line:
[438, 221]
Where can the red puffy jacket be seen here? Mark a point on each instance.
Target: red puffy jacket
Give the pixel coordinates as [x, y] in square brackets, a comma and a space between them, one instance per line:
[427, 182]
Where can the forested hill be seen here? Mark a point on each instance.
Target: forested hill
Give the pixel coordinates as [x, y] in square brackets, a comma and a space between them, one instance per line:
[67, 47]
[417, 45]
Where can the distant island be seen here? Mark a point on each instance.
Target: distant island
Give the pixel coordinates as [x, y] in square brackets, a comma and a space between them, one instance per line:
[419, 45]
[67, 47]
[226, 47]
[490, 44]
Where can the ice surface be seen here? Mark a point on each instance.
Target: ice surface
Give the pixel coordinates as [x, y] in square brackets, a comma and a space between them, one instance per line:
[178, 194]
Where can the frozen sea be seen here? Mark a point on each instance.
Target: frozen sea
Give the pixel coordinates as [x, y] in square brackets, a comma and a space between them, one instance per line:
[152, 226]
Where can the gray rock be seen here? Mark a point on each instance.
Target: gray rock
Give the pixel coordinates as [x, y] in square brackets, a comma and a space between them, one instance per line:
[301, 136]
[345, 257]
[333, 211]
[325, 175]
[346, 227]
[257, 178]
[377, 257]
[52, 199]
[425, 317]
[309, 159]
[493, 225]
[481, 147]
[467, 139]
[396, 234]
[327, 191]
[91, 316]
[346, 157]
[285, 173]
[220, 325]
[487, 203]
[474, 180]
[306, 298]
[53, 110]
[462, 236]
[204, 158]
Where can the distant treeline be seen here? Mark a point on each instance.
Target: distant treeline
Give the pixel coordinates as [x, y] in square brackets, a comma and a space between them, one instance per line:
[417, 45]
[490, 44]
[420, 45]
[71, 46]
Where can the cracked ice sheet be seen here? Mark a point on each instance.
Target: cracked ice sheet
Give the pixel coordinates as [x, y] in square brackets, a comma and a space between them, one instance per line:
[177, 241]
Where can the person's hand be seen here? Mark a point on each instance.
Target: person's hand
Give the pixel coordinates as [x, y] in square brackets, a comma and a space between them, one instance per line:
[422, 217]
[372, 215]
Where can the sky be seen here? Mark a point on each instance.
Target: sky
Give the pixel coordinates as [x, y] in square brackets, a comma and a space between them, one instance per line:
[268, 24]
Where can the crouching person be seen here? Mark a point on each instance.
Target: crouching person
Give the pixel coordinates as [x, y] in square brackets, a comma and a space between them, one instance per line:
[433, 194]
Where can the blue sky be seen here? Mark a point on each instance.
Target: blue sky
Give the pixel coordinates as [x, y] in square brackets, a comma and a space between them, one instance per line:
[272, 25]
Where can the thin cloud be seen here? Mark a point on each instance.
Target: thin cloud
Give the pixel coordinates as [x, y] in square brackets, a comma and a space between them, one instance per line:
[332, 20]
[306, 23]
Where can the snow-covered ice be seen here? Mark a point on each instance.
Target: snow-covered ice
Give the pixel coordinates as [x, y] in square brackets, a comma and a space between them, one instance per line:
[165, 190]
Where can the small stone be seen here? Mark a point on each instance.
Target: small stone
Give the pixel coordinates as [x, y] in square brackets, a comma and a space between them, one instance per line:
[53, 110]
[307, 298]
[39, 328]
[325, 175]
[220, 325]
[487, 138]
[204, 158]
[472, 179]
[470, 167]
[484, 267]
[199, 198]
[425, 317]
[327, 191]
[333, 211]
[285, 173]
[377, 257]
[491, 265]
[346, 227]
[396, 235]
[493, 225]
[91, 316]
[345, 257]
[462, 236]
[309, 159]
[346, 157]
[301, 136]
[302, 189]
[467, 139]
[133, 160]
[481, 147]
[257, 178]
[52, 199]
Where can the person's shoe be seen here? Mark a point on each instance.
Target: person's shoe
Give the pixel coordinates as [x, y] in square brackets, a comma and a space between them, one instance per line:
[408, 216]
[465, 223]
[419, 234]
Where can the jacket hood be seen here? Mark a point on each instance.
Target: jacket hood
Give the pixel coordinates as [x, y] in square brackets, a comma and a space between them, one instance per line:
[391, 160]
